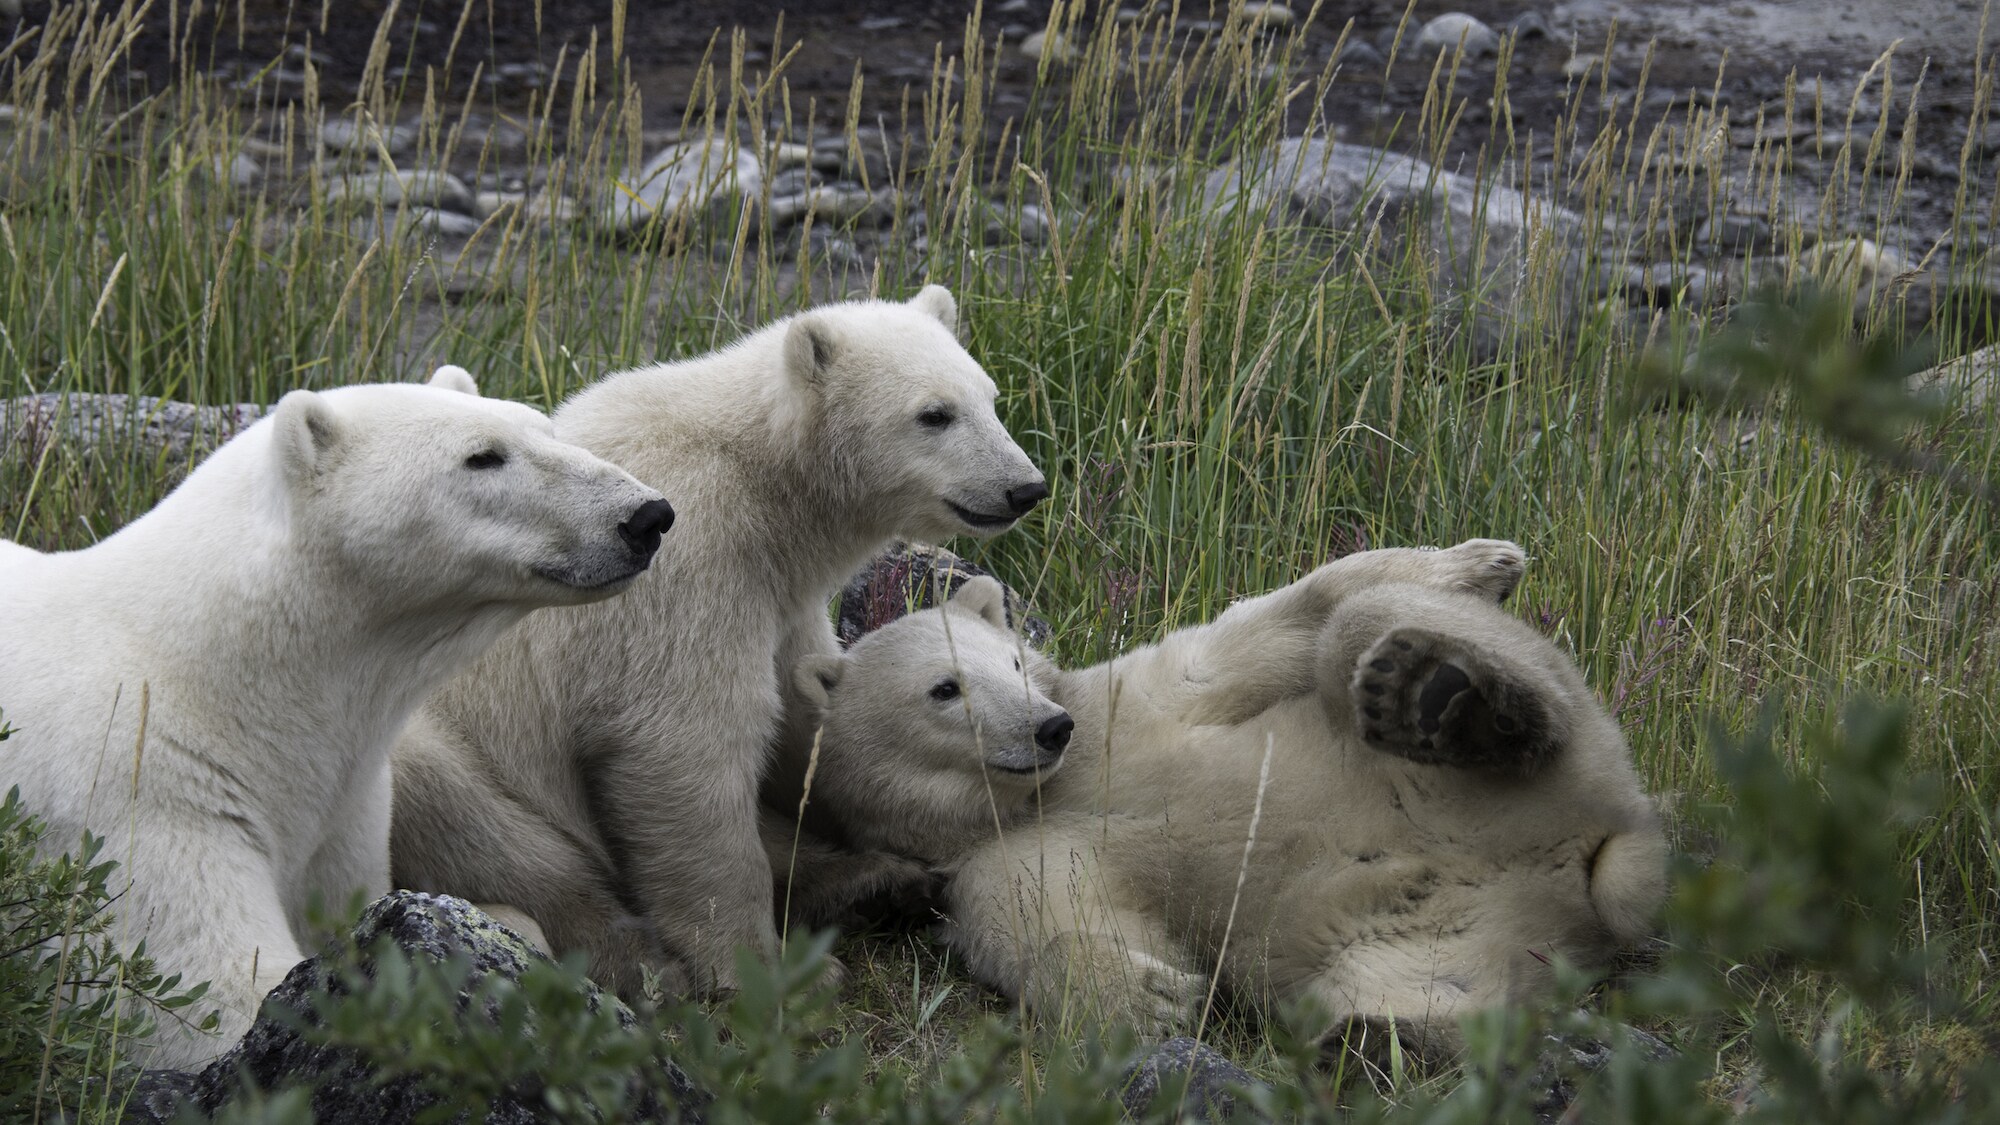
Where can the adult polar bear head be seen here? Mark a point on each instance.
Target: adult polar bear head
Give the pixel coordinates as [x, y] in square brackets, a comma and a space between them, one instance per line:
[434, 491]
[941, 721]
[891, 401]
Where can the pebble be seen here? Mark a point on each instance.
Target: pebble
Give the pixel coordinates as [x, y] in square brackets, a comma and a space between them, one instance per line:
[1735, 234]
[825, 204]
[684, 176]
[788, 155]
[1580, 66]
[1529, 25]
[1268, 15]
[791, 181]
[431, 220]
[487, 204]
[237, 170]
[418, 188]
[1446, 32]
[1051, 43]
[344, 134]
[1361, 54]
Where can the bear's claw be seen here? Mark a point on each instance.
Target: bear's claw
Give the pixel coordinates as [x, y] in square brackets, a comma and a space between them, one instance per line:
[1436, 700]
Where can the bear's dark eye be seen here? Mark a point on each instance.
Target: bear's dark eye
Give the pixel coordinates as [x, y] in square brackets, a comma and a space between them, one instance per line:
[1017, 664]
[945, 691]
[935, 417]
[486, 459]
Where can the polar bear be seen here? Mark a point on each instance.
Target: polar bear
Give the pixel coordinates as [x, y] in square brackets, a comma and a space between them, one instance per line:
[214, 689]
[599, 769]
[1373, 790]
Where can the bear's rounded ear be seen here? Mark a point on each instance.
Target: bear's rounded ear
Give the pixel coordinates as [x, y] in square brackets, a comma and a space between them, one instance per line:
[810, 347]
[451, 377]
[308, 433]
[937, 301]
[816, 675]
[984, 596]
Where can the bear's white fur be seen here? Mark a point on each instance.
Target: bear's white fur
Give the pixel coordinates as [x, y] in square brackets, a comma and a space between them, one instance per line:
[599, 768]
[214, 689]
[1446, 808]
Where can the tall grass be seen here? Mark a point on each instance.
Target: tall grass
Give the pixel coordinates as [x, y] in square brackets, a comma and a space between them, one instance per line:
[1222, 399]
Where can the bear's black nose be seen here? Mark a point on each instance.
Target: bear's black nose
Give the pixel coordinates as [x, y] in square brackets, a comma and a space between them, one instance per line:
[1053, 734]
[1027, 496]
[642, 532]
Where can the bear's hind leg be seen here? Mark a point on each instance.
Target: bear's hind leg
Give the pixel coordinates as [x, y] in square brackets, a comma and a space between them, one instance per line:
[1436, 699]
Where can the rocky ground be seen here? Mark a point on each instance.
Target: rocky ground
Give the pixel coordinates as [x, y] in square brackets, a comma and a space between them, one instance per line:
[1706, 85]
[1725, 91]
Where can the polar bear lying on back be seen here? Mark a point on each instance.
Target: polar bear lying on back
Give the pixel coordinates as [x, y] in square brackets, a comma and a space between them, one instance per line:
[215, 688]
[1447, 808]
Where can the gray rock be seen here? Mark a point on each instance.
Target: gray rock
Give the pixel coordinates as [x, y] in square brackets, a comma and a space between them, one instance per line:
[99, 421]
[1530, 24]
[366, 137]
[1967, 381]
[1026, 224]
[274, 1055]
[1361, 55]
[1446, 31]
[1565, 1055]
[909, 577]
[1735, 234]
[1490, 245]
[237, 170]
[1260, 14]
[835, 204]
[684, 178]
[446, 224]
[792, 181]
[381, 187]
[1201, 1079]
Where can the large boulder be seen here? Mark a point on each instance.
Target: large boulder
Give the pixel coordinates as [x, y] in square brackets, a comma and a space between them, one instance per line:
[279, 1052]
[1507, 258]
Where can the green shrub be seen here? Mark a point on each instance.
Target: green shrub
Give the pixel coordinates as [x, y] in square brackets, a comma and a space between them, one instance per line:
[70, 1002]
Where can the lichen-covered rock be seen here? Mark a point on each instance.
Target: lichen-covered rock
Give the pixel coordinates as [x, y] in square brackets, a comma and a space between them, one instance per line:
[276, 1054]
[1202, 1078]
[93, 421]
[912, 576]
[1564, 1055]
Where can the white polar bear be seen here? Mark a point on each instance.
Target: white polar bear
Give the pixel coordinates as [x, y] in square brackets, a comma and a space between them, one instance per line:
[215, 689]
[599, 768]
[1444, 812]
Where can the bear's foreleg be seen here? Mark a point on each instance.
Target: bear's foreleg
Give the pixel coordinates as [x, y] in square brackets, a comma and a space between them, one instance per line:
[353, 856]
[456, 832]
[1262, 651]
[698, 875]
[1043, 925]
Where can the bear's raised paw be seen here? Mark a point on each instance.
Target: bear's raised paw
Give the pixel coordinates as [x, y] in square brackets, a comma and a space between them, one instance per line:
[1437, 700]
[1490, 568]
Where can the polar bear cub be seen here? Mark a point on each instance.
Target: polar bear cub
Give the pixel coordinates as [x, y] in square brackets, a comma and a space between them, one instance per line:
[599, 769]
[1441, 808]
[214, 689]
